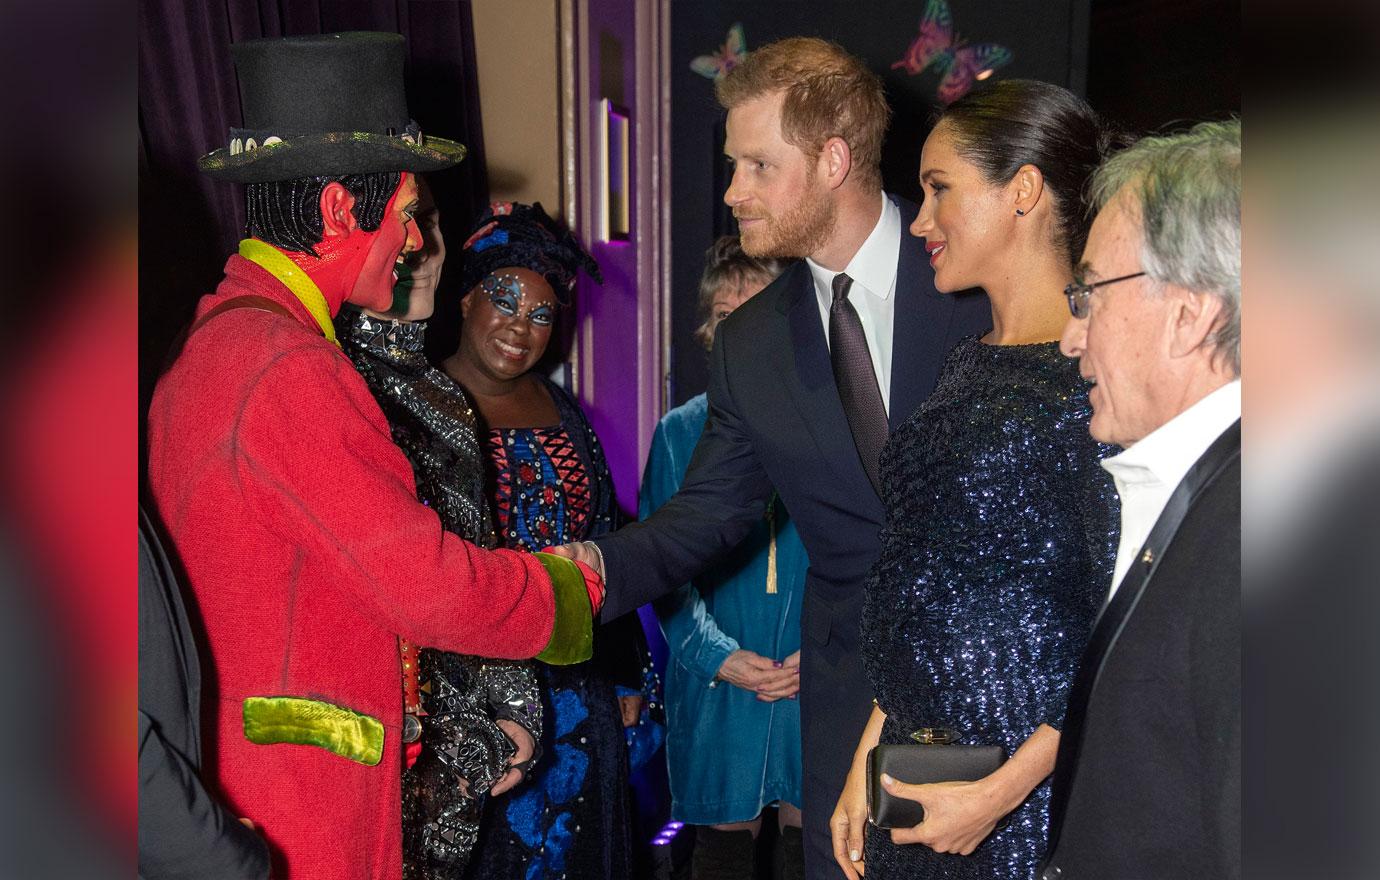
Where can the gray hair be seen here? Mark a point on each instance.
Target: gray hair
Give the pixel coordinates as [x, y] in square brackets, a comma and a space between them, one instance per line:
[727, 266]
[1187, 188]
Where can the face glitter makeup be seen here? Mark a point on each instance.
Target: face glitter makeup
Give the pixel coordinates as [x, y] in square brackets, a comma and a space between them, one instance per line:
[508, 292]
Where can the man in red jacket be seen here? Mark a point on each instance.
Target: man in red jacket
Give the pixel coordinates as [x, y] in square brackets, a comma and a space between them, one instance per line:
[275, 473]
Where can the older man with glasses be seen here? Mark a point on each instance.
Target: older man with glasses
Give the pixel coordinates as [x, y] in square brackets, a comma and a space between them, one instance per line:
[1147, 782]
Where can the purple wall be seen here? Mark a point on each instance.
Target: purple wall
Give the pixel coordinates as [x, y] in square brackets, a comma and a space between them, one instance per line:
[608, 345]
[618, 347]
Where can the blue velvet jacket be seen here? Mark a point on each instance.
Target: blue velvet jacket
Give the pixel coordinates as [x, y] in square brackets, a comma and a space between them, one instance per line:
[728, 754]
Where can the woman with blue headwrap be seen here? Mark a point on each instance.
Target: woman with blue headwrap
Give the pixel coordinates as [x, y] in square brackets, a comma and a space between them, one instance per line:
[549, 484]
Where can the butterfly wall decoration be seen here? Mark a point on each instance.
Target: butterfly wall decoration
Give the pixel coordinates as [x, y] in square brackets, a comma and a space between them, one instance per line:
[715, 65]
[959, 64]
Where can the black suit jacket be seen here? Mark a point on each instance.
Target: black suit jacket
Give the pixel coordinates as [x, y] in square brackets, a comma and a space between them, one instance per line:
[1148, 779]
[183, 831]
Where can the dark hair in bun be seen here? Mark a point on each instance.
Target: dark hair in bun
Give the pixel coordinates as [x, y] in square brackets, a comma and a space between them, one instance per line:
[1000, 126]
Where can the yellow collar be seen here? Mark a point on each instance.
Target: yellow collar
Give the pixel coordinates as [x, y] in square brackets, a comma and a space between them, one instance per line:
[280, 266]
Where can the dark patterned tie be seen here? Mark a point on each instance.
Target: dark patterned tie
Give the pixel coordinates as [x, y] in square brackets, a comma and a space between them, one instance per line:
[857, 381]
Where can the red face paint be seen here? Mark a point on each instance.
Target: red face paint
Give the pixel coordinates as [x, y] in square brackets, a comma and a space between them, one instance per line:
[360, 267]
[397, 235]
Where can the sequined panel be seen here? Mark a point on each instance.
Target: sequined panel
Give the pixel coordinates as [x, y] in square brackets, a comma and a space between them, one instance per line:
[430, 417]
[464, 752]
[997, 553]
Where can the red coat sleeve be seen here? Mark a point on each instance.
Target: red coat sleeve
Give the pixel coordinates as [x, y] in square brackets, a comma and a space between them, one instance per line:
[316, 457]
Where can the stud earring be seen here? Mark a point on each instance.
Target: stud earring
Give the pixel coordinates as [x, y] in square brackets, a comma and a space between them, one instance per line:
[1020, 213]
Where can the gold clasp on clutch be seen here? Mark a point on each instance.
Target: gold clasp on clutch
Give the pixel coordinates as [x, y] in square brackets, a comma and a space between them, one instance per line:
[938, 736]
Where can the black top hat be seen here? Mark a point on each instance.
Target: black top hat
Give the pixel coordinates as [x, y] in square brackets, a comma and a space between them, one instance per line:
[324, 104]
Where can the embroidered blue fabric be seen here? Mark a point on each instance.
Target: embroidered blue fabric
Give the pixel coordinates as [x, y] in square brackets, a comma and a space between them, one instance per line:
[572, 815]
[568, 711]
[532, 812]
[550, 859]
[536, 515]
[646, 736]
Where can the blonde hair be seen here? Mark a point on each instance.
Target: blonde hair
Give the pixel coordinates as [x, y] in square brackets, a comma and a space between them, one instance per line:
[828, 93]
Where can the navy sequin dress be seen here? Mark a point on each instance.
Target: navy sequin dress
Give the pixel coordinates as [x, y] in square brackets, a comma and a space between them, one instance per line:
[996, 556]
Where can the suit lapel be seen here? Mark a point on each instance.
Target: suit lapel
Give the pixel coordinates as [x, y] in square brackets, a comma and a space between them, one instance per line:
[1217, 456]
[815, 394]
[1222, 452]
[920, 326]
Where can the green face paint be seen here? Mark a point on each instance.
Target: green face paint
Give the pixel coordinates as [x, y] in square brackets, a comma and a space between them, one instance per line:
[402, 292]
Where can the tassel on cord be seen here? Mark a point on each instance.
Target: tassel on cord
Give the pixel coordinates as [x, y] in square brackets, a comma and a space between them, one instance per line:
[771, 547]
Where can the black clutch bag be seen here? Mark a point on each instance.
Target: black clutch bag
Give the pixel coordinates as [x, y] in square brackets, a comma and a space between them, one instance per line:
[932, 759]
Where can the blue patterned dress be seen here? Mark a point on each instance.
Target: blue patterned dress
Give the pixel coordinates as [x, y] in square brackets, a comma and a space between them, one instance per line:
[571, 817]
[997, 553]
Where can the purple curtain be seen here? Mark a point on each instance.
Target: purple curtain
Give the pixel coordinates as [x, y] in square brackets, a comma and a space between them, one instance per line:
[189, 99]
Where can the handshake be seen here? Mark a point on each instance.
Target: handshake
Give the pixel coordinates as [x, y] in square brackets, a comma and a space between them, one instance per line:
[588, 556]
[770, 680]
[582, 551]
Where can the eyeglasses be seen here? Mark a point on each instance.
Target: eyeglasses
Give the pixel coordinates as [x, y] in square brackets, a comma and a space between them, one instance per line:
[1079, 293]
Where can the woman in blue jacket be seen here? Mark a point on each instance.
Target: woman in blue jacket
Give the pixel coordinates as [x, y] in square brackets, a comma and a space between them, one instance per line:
[733, 737]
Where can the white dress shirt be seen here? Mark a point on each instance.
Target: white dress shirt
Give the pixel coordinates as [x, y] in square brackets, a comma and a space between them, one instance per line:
[1148, 472]
[873, 294]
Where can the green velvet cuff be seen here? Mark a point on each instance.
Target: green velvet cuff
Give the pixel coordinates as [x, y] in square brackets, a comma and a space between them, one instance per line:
[572, 636]
[271, 720]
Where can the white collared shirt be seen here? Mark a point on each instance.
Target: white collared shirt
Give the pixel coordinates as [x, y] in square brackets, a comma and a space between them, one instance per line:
[1148, 472]
[873, 294]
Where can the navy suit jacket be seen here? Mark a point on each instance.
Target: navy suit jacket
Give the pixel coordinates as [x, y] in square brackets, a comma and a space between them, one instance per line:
[775, 421]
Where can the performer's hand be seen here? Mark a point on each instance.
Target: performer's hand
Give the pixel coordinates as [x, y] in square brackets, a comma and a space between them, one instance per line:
[594, 587]
[630, 707]
[847, 825]
[581, 551]
[753, 672]
[525, 747]
[958, 815]
[785, 689]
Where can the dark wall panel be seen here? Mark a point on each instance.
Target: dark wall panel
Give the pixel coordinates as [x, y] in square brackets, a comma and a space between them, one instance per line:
[1158, 64]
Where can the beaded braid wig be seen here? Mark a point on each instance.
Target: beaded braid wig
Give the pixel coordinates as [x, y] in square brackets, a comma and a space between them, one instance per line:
[523, 236]
[287, 213]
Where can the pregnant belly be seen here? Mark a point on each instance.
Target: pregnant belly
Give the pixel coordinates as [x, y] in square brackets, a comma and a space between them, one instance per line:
[977, 649]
